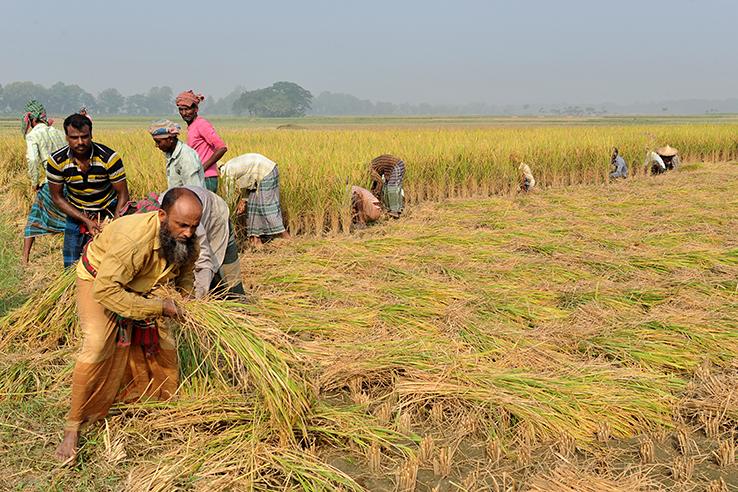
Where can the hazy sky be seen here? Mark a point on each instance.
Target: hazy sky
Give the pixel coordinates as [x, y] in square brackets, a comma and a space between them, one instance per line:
[524, 51]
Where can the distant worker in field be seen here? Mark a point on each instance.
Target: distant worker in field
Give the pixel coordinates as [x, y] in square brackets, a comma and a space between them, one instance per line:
[670, 156]
[527, 181]
[202, 137]
[620, 167]
[183, 164]
[217, 268]
[126, 354]
[41, 140]
[87, 182]
[257, 179]
[365, 207]
[83, 111]
[387, 174]
[654, 163]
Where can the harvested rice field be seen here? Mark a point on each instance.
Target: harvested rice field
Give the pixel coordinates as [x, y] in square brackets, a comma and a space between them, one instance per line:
[583, 337]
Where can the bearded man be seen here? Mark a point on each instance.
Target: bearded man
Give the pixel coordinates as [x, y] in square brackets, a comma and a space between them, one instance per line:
[126, 355]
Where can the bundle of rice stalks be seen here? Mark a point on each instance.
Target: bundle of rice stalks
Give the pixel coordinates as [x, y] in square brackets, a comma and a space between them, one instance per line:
[46, 319]
[241, 350]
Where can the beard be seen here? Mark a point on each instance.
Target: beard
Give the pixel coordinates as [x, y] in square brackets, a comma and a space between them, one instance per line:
[177, 252]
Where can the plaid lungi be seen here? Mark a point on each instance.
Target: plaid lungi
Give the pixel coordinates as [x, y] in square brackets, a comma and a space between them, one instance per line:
[75, 240]
[45, 217]
[264, 216]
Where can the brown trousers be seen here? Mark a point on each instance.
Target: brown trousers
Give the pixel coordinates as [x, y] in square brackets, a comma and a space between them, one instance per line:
[106, 373]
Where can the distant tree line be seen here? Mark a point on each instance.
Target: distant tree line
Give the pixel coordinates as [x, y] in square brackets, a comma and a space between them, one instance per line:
[282, 99]
[288, 99]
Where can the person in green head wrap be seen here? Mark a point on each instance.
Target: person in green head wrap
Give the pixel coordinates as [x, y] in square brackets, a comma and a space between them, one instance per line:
[41, 140]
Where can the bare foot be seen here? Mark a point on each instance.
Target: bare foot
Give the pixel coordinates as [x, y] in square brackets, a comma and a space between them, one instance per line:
[255, 242]
[67, 450]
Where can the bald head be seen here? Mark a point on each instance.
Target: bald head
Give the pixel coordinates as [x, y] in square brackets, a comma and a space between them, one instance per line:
[180, 212]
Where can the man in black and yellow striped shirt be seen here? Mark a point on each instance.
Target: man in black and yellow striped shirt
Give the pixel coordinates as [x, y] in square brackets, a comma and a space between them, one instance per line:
[95, 183]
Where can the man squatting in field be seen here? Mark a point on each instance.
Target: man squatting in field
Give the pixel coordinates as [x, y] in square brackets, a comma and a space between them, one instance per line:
[41, 140]
[621, 168]
[94, 180]
[125, 354]
[183, 164]
[201, 136]
[258, 179]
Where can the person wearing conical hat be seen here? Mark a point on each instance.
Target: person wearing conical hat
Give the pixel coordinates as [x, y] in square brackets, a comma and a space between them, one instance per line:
[183, 164]
[670, 156]
[655, 163]
[202, 137]
[41, 140]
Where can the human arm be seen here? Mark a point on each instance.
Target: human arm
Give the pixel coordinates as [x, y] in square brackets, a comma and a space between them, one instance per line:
[210, 136]
[117, 269]
[217, 155]
[57, 196]
[121, 189]
[204, 268]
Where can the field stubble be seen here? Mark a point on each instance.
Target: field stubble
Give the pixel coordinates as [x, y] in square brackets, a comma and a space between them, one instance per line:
[571, 339]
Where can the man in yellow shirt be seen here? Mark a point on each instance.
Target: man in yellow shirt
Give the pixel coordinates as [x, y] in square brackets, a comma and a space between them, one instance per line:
[125, 355]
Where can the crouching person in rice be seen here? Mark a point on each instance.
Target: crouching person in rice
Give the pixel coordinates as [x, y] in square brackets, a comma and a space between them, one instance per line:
[126, 355]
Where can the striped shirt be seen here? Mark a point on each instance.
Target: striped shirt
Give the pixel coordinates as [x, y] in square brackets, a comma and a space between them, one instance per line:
[91, 191]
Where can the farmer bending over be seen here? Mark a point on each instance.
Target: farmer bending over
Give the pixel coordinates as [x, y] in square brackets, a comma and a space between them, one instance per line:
[527, 181]
[217, 268]
[387, 173]
[257, 178]
[125, 355]
[183, 163]
[95, 183]
[365, 207]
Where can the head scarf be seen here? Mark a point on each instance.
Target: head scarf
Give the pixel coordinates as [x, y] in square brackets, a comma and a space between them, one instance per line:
[34, 110]
[164, 128]
[188, 98]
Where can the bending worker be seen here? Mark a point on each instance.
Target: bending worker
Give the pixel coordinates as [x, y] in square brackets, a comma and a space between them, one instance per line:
[217, 268]
[183, 163]
[126, 354]
[365, 207]
[387, 173]
[257, 178]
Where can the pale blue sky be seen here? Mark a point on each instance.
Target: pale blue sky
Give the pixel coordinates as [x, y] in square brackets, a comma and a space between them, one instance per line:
[526, 51]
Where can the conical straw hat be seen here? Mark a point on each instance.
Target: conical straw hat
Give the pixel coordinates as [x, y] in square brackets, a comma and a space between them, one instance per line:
[667, 151]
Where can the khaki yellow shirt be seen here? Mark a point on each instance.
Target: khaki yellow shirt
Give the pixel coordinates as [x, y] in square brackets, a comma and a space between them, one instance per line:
[126, 255]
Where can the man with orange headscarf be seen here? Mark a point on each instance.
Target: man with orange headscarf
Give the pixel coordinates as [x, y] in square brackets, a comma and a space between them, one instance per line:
[202, 137]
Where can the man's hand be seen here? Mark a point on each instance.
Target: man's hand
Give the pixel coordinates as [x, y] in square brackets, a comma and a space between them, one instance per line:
[93, 226]
[171, 310]
[241, 207]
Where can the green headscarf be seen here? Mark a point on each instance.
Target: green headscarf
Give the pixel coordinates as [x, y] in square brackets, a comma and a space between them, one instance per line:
[34, 110]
